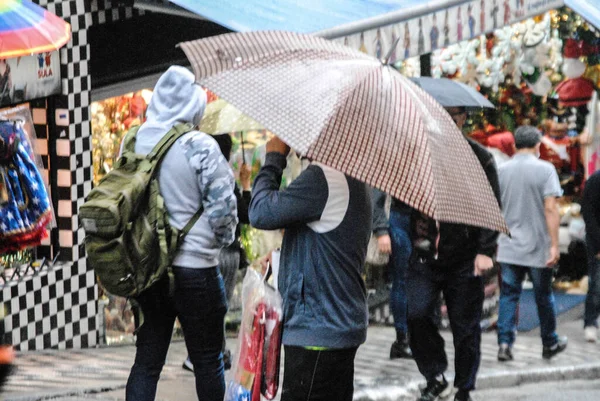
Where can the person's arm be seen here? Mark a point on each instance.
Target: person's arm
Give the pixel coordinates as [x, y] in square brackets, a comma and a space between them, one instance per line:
[217, 185]
[246, 195]
[590, 209]
[487, 243]
[381, 224]
[553, 224]
[488, 239]
[303, 201]
[551, 192]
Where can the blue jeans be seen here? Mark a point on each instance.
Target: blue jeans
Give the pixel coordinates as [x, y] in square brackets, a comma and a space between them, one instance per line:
[401, 250]
[592, 301]
[510, 292]
[199, 302]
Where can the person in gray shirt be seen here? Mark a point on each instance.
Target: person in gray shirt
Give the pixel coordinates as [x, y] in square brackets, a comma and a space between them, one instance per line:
[529, 188]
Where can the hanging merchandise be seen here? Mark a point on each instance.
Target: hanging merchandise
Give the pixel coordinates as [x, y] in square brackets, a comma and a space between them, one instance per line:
[576, 90]
[256, 370]
[25, 209]
[535, 57]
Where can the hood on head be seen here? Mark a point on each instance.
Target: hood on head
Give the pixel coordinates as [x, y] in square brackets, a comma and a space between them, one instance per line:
[176, 99]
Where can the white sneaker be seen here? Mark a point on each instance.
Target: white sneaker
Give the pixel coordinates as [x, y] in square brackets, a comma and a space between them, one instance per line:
[591, 334]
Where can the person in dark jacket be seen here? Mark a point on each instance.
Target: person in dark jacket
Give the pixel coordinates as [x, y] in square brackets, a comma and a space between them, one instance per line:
[590, 208]
[327, 220]
[449, 258]
[393, 238]
[232, 257]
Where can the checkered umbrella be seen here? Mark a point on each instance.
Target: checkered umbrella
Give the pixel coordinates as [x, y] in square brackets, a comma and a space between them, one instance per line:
[351, 112]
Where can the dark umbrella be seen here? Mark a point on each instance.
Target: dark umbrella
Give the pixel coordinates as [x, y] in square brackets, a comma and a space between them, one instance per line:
[450, 93]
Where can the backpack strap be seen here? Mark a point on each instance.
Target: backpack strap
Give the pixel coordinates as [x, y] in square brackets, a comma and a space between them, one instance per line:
[185, 230]
[129, 140]
[170, 246]
[168, 140]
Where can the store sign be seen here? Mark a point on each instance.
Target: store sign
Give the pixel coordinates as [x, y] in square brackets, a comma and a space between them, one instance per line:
[30, 77]
[445, 27]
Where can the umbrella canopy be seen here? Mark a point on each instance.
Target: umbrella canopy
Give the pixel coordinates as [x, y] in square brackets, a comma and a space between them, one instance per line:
[450, 93]
[26, 28]
[221, 117]
[347, 110]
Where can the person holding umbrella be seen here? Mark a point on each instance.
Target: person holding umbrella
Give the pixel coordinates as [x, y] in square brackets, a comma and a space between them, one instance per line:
[451, 259]
[327, 220]
[357, 117]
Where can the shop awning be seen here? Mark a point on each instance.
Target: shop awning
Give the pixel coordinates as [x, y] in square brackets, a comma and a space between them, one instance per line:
[418, 26]
[588, 9]
[310, 16]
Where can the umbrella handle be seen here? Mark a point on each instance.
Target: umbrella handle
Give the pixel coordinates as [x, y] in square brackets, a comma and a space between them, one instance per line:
[243, 149]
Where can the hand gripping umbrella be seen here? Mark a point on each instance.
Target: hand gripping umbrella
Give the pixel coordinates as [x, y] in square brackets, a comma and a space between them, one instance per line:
[353, 113]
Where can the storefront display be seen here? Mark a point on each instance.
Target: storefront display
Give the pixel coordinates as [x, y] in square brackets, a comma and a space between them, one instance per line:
[25, 206]
[111, 119]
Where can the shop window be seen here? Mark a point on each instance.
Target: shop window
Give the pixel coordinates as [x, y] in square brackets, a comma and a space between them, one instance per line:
[111, 119]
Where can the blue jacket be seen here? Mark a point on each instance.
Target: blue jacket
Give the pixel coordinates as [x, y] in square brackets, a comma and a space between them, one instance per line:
[327, 220]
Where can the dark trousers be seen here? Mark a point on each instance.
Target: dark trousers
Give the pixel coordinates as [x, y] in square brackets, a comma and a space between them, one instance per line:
[464, 294]
[199, 303]
[318, 375]
[592, 302]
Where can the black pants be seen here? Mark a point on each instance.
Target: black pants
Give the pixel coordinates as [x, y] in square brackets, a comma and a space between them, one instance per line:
[464, 294]
[318, 375]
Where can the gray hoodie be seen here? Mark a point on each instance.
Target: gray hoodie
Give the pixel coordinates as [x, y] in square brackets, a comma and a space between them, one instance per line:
[193, 171]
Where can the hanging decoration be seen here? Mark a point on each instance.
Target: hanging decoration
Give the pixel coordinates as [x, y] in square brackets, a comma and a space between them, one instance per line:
[576, 90]
[536, 56]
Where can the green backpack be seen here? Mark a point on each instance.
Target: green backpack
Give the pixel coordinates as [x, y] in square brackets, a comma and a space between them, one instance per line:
[128, 239]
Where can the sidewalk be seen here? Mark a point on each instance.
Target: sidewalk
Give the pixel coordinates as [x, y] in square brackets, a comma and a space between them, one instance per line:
[101, 374]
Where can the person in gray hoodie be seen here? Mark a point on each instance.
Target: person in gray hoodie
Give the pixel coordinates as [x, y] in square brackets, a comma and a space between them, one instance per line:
[193, 173]
[327, 220]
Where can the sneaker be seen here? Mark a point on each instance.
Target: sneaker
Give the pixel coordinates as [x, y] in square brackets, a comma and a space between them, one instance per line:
[591, 334]
[560, 346]
[505, 353]
[400, 350]
[187, 365]
[436, 390]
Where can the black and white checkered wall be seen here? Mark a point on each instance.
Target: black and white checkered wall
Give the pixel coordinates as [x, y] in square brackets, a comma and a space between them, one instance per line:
[54, 308]
[58, 308]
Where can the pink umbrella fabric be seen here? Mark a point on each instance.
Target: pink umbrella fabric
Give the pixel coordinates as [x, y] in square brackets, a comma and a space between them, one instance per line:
[347, 110]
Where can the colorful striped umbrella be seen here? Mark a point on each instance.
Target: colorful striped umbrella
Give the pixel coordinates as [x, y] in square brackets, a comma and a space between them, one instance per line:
[26, 28]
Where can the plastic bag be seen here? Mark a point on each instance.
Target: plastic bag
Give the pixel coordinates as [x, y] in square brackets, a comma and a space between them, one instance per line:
[256, 369]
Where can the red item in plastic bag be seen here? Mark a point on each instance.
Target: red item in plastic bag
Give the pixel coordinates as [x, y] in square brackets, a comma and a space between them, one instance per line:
[259, 334]
[270, 380]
